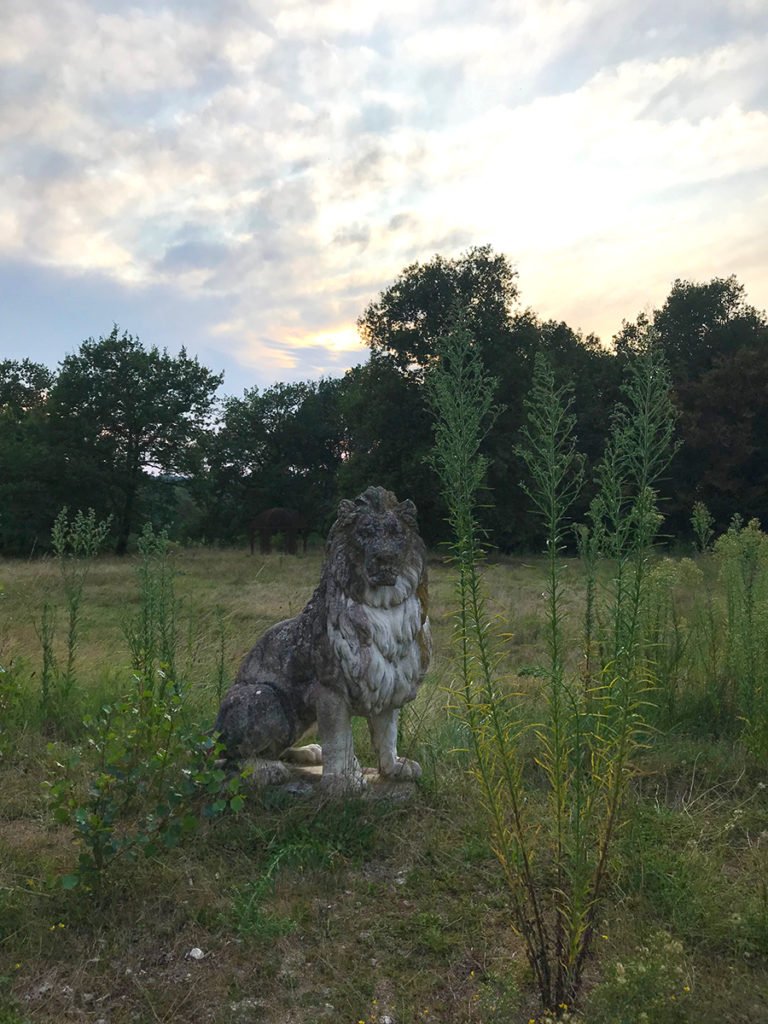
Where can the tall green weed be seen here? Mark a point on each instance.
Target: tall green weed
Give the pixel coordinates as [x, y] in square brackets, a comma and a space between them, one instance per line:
[152, 633]
[706, 626]
[555, 860]
[76, 541]
[146, 774]
[742, 557]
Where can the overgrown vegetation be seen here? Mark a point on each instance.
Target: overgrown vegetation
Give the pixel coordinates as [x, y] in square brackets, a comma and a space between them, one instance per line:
[616, 724]
[75, 543]
[372, 910]
[555, 855]
[147, 774]
[706, 622]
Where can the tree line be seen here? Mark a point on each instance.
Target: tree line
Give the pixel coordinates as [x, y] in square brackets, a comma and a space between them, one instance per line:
[139, 435]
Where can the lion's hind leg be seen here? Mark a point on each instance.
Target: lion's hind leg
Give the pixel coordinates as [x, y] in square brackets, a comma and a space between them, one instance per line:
[258, 726]
[261, 772]
[255, 725]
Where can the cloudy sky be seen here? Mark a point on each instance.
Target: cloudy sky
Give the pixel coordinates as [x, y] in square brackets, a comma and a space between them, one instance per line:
[244, 177]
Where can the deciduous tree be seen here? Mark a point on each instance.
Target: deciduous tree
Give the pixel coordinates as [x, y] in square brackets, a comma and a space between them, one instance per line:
[716, 344]
[281, 446]
[414, 313]
[128, 410]
[29, 491]
[404, 326]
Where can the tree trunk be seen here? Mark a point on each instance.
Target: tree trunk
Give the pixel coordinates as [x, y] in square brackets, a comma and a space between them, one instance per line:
[126, 513]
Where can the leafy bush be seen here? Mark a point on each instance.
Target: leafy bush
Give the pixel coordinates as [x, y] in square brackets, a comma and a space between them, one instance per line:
[143, 791]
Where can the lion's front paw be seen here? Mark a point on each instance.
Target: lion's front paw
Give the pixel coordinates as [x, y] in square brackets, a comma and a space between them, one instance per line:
[403, 770]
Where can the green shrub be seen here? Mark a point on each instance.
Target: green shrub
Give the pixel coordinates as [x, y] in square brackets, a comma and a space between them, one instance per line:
[142, 789]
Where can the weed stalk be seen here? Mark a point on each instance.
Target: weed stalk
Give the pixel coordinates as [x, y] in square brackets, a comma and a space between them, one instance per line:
[589, 731]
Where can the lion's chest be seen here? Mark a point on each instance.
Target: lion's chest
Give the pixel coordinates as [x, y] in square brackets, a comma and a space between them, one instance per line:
[378, 652]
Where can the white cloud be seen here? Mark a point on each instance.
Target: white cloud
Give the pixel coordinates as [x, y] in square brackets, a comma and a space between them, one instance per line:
[297, 159]
[511, 40]
[328, 18]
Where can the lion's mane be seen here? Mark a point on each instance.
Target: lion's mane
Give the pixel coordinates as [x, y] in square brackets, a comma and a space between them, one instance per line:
[379, 636]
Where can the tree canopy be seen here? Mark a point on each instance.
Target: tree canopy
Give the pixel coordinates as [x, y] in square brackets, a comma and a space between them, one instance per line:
[124, 409]
[715, 343]
[278, 447]
[137, 432]
[24, 385]
[410, 317]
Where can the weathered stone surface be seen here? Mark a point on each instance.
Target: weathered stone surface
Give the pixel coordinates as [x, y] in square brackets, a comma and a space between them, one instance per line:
[361, 646]
[305, 782]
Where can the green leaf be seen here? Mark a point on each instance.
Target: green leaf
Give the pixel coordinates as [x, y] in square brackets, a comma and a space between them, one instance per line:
[70, 881]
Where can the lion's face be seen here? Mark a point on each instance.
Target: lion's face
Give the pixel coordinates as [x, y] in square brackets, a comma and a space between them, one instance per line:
[375, 543]
[383, 543]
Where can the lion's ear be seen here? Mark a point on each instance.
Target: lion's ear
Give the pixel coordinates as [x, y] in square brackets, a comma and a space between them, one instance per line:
[346, 508]
[407, 511]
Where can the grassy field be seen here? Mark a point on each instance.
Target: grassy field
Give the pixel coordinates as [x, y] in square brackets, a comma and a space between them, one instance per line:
[362, 912]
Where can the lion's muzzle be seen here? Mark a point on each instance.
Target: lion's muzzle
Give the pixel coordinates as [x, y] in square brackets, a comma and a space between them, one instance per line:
[384, 560]
[382, 576]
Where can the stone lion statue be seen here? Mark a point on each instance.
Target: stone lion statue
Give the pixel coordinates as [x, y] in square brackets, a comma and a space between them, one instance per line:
[361, 646]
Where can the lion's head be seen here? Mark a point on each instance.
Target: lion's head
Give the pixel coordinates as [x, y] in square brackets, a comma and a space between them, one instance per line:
[374, 543]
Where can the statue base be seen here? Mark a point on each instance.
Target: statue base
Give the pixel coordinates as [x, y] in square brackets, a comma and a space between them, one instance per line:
[305, 782]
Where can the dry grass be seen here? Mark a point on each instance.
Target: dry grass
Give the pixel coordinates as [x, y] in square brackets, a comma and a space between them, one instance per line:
[374, 909]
